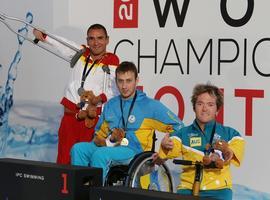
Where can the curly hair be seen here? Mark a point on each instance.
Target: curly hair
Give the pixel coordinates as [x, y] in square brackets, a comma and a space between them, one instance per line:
[211, 90]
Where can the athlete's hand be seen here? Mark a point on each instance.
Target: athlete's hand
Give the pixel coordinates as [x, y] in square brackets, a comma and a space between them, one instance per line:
[227, 154]
[39, 35]
[223, 146]
[167, 142]
[157, 160]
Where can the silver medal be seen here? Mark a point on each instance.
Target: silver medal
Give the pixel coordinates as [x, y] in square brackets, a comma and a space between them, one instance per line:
[80, 91]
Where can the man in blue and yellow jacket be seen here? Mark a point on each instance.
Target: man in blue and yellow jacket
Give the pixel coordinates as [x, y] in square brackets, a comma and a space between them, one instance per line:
[191, 144]
[134, 113]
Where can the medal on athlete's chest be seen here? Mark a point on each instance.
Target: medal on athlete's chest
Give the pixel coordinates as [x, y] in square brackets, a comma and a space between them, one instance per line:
[131, 119]
[80, 91]
[85, 74]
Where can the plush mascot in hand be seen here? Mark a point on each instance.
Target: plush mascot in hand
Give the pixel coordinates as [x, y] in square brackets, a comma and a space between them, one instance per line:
[114, 139]
[88, 108]
[214, 155]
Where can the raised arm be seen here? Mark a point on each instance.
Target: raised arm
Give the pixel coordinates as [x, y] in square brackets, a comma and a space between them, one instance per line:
[61, 45]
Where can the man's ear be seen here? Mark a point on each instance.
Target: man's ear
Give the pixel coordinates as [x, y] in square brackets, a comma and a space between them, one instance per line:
[108, 40]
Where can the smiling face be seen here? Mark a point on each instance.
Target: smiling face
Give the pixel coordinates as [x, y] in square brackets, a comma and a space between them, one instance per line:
[126, 83]
[97, 40]
[205, 108]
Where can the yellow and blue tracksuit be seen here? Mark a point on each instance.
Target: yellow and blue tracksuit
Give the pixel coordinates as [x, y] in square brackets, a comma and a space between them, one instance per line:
[146, 116]
[190, 142]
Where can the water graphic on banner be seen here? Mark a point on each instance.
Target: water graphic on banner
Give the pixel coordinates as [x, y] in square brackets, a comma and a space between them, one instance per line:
[19, 141]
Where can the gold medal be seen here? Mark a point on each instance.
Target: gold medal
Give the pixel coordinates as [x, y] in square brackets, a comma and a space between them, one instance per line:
[124, 142]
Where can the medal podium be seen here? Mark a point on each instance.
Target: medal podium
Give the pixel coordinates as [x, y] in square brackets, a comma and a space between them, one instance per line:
[32, 180]
[124, 193]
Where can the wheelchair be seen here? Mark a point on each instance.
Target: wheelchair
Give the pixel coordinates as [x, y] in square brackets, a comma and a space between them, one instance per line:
[141, 173]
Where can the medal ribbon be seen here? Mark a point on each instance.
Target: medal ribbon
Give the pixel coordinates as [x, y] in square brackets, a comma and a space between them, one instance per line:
[85, 73]
[129, 112]
[212, 133]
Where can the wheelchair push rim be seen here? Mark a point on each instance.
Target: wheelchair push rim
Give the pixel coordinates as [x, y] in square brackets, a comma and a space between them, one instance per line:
[146, 175]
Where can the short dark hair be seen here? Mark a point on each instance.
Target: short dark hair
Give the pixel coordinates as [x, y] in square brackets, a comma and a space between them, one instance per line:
[97, 26]
[126, 66]
[211, 90]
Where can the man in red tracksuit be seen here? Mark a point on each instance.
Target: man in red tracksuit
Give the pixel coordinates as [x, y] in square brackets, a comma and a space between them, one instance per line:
[95, 70]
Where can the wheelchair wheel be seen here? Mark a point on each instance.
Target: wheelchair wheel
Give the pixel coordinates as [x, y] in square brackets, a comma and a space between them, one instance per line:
[117, 175]
[144, 174]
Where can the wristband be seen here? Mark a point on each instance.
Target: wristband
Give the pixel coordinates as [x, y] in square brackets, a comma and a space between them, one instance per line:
[109, 143]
